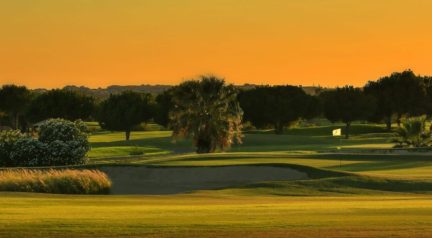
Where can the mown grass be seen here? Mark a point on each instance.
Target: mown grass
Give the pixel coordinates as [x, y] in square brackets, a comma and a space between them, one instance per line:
[352, 193]
[326, 130]
[113, 144]
[309, 146]
[415, 166]
[211, 214]
[337, 186]
[55, 181]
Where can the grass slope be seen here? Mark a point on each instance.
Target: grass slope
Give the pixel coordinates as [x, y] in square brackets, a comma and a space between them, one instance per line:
[382, 165]
[337, 186]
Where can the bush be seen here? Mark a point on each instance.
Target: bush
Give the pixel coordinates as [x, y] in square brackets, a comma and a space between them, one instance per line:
[61, 130]
[28, 152]
[55, 181]
[67, 142]
[7, 142]
[60, 142]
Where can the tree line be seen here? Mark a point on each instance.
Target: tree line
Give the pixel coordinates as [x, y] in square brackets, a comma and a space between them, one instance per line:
[212, 112]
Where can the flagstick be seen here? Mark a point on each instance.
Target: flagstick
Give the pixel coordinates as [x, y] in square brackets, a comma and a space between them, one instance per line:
[340, 147]
[338, 133]
[340, 158]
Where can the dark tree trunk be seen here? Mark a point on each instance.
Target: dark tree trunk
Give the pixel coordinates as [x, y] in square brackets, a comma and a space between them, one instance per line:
[398, 120]
[127, 132]
[279, 128]
[203, 146]
[347, 130]
[16, 121]
[388, 122]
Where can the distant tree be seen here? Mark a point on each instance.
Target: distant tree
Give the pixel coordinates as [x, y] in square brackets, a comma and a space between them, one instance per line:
[207, 110]
[398, 95]
[163, 106]
[14, 101]
[278, 106]
[3, 118]
[313, 107]
[382, 91]
[347, 104]
[427, 82]
[124, 111]
[64, 104]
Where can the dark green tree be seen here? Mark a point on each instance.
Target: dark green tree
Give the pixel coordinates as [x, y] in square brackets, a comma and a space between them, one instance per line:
[207, 110]
[346, 105]
[277, 106]
[427, 82]
[122, 112]
[162, 108]
[63, 104]
[14, 101]
[398, 95]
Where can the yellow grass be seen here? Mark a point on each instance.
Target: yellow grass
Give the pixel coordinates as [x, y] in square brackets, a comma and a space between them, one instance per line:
[214, 214]
[66, 181]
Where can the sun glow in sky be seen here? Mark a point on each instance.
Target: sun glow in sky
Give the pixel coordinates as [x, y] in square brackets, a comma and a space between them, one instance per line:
[52, 43]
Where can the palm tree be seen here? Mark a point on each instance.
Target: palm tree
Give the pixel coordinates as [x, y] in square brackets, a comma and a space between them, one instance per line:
[207, 110]
[412, 133]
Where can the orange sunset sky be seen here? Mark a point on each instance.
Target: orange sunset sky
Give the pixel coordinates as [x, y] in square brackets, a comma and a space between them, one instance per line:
[52, 43]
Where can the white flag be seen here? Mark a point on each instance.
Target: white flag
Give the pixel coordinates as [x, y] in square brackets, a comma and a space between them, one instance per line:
[337, 132]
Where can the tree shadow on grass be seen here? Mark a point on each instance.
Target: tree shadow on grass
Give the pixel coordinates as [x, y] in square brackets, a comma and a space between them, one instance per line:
[161, 143]
[370, 157]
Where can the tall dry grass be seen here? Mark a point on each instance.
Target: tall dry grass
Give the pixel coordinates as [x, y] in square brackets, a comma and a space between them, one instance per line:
[67, 181]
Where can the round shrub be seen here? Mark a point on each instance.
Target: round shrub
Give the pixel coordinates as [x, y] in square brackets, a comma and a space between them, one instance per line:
[66, 153]
[67, 142]
[28, 152]
[60, 142]
[62, 130]
[7, 142]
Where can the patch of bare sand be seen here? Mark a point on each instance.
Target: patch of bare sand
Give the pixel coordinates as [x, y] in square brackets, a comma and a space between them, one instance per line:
[172, 180]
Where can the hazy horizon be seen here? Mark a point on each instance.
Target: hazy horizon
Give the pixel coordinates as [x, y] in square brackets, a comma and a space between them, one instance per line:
[152, 85]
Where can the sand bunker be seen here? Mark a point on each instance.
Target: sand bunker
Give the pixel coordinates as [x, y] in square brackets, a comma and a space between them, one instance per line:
[171, 180]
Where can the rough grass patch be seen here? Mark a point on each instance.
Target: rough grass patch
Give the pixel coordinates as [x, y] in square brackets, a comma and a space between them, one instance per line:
[66, 181]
